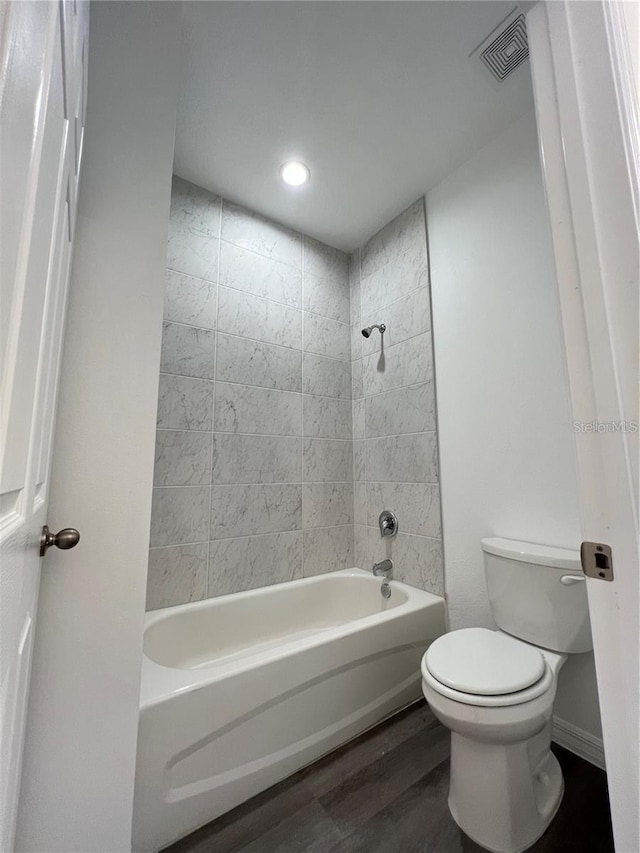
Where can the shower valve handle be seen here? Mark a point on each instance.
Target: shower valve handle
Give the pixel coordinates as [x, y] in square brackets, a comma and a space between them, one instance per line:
[388, 523]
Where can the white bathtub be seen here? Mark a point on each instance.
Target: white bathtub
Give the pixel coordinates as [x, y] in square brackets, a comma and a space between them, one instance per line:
[240, 691]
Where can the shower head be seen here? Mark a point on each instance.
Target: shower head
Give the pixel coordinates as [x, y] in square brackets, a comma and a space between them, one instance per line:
[366, 333]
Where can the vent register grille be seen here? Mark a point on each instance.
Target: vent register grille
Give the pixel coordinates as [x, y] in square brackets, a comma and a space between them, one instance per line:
[503, 53]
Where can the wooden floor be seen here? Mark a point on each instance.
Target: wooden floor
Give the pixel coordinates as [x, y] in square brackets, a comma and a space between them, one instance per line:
[386, 792]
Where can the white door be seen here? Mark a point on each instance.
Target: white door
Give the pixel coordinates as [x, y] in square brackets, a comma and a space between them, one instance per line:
[588, 120]
[43, 57]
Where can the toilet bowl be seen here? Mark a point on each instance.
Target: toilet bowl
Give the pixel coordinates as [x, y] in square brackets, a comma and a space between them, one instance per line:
[495, 692]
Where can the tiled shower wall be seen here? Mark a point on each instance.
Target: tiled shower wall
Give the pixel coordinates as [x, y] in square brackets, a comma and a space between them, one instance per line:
[254, 466]
[394, 423]
[254, 454]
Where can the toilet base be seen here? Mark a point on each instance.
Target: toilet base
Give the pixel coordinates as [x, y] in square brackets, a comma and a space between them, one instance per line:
[504, 796]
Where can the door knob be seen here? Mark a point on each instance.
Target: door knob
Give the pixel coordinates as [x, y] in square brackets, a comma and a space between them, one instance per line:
[64, 539]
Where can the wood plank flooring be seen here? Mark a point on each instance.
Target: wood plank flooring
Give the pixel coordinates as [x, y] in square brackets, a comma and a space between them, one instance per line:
[386, 792]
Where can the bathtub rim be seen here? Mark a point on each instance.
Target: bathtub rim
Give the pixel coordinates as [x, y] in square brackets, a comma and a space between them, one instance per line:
[160, 683]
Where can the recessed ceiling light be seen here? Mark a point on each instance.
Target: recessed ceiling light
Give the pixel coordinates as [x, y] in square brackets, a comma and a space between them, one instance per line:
[295, 173]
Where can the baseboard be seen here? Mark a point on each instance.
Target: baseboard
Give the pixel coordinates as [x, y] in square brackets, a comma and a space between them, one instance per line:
[578, 741]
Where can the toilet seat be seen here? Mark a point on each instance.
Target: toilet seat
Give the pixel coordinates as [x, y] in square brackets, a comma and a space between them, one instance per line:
[485, 668]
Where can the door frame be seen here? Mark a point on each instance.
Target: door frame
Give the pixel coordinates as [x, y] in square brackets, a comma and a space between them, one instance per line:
[614, 605]
[587, 114]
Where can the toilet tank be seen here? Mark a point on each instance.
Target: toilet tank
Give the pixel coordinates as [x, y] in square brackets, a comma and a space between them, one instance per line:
[538, 593]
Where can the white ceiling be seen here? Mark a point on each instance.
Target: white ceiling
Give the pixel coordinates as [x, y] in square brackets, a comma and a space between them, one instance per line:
[379, 99]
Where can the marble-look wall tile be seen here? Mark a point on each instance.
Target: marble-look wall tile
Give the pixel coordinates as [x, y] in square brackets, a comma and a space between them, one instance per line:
[327, 297]
[182, 458]
[261, 411]
[247, 362]
[357, 341]
[358, 418]
[417, 506]
[323, 336]
[191, 301]
[194, 227]
[326, 460]
[177, 575]
[362, 546]
[326, 417]
[325, 262]
[261, 276]
[387, 284]
[403, 458]
[404, 410]
[194, 210]
[417, 560]
[360, 491]
[185, 403]
[357, 379]
[403, 242]
[254, 561]
[405, 318]
[326, 377]
[188, 351]
[360, 460]
[395, 466]
[354, 287]
[197, 258]
[251, 231]
[259, 319]
[250, 510]
[408, 363]
[180, 515]
[327, 504]
[255, 459]
[231, 410]
[328, 550]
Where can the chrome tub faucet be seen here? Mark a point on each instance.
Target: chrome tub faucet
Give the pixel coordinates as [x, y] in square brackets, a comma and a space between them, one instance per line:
[383, 569]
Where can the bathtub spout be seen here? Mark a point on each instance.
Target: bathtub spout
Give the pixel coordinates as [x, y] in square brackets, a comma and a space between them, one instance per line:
[383, 569]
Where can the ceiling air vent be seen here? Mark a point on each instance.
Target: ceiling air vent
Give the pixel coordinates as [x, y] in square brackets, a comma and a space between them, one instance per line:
[506, 48]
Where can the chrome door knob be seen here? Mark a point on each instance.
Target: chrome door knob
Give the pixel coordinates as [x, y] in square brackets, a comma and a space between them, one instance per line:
[64, 539]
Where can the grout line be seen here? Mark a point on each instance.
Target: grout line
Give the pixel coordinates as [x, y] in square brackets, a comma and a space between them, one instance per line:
[218, 331]
[301, 483]
[287, 305]
[191, 325]
[398, 388]
[191, 275]
[300, 234]
[306, 483]
[218, 284]
[400, 532]
[307, 393]
[256, 535]
[259, 254]
[215, 366]
[399, 298]
[278, 435]
[303, 435]
[393, 346]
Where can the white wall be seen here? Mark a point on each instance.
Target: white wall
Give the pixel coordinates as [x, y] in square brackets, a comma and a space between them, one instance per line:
[81, 739]
[506, 446]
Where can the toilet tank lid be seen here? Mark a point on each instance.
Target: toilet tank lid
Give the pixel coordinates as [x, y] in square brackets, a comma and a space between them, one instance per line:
[529, 552]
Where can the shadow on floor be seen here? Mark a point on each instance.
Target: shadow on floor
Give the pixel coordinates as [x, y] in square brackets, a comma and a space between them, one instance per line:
[386, 792]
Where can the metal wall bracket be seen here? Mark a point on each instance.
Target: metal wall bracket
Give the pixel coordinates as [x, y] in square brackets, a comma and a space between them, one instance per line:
[596, 560]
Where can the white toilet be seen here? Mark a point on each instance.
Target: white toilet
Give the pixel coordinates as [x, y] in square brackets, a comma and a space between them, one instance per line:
[496, 693]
